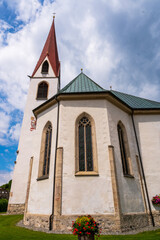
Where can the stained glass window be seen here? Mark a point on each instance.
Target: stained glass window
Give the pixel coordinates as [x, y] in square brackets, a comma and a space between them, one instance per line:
[47, 150]
[85, 145]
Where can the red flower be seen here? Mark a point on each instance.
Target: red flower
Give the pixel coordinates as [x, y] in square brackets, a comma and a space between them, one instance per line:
[81, 226]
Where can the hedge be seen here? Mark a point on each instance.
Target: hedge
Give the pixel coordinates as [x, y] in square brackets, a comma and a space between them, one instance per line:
[3, 205]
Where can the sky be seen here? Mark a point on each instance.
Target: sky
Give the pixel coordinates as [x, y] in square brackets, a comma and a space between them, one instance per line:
[116, 42]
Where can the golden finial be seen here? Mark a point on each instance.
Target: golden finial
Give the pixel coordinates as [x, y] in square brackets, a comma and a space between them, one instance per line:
[110, 87]
[54, 15]
[81, 70]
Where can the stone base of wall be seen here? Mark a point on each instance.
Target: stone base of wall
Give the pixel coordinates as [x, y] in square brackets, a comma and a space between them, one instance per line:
[156, 215]
[108, 223]
[134, 221]
[63, 223]
[15, 209]
[37, 220]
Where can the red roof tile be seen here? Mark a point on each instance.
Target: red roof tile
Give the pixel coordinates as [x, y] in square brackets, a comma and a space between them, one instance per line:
[50, 50]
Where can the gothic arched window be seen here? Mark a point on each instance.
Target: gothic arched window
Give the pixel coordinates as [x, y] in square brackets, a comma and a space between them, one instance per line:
[86, 160]
[42, 90]
[85, 145]
[45, 67]
[124, 149]
[45, 151]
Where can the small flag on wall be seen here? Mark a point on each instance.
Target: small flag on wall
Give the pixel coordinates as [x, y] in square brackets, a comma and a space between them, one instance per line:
[33, 124]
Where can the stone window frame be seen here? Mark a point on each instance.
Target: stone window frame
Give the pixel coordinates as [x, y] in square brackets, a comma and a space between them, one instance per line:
[42, 98]
[124, 151]
[41, 175]
[94, 147]
[45, 67]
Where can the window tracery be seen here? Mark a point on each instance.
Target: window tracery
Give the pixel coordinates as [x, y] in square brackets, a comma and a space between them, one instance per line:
[85, 145]
[86, 153]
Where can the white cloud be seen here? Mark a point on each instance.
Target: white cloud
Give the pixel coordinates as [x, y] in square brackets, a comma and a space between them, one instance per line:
[4, 126]
[3, 27]
[15, 131]
[126, 6]
[85, 36]
[5, 177]
[25, 10]
[149, 91]
[81, 44]
[5, 106]
[4, 122]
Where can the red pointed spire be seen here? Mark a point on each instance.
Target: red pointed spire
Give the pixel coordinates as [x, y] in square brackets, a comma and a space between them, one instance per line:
[50, 50]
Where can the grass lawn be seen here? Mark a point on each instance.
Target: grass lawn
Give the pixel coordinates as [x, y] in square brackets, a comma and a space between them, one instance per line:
[8, 231]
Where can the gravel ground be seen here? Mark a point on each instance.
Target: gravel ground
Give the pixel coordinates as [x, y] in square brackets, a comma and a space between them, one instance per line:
[150, 228]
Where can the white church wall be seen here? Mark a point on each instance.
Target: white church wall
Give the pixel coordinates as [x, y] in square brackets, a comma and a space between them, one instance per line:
[41, 192]
[129, 188]
[21, 169]
[148, 132]
[85, 194]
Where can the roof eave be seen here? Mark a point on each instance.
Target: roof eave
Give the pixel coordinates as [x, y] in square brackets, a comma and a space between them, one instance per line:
[146, 111]
[80, 96]
[93, 95]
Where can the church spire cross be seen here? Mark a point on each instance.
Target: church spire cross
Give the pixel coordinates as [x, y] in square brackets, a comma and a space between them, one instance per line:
[50, 51]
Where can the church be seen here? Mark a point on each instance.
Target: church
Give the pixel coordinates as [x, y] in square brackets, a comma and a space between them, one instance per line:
[85, 150]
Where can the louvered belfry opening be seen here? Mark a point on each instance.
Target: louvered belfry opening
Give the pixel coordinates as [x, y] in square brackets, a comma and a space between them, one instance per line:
[47, 150]
[42, 90]
[85, 145]
[45, 67]
[123, 150]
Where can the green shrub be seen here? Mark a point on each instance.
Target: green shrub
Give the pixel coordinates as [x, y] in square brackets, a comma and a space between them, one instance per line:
[3, 205]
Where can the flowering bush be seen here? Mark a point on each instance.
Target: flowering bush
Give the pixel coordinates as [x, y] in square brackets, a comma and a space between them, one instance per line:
[156, 200]
[85, 225]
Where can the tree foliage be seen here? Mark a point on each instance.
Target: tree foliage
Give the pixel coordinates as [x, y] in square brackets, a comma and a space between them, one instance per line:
[7, 186]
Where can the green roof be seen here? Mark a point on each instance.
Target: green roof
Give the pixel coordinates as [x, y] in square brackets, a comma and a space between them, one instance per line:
[136, 102]
[81, 84]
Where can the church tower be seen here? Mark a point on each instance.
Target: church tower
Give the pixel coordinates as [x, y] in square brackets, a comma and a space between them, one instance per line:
[44, 83]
